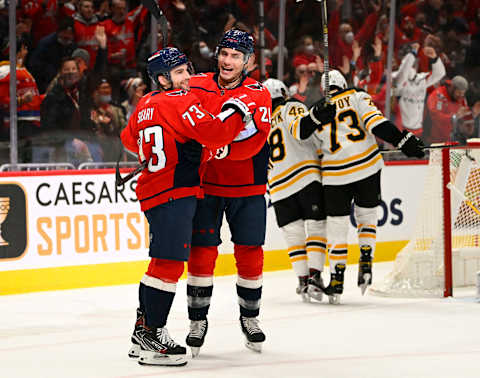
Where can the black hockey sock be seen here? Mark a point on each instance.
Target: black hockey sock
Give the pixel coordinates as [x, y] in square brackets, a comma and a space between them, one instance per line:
[198, 301]
[141, 297]
[249, 301]
[157, 306]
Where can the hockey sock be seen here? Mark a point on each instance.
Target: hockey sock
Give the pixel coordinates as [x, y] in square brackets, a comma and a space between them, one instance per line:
[366, 226]
[157, 306]
[199, 294]
[249, 293]
[294, 234]
[316, 243]
[337, 235]
[141, 297]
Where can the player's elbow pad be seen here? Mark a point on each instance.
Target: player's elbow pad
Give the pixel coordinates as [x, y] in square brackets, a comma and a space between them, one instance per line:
[388, 132]
[307, 127]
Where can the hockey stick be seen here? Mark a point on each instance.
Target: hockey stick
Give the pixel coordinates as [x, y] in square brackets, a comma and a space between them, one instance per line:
[455, 190]
[119, 180]
[155, 10]
[432, 147]
[326, 63]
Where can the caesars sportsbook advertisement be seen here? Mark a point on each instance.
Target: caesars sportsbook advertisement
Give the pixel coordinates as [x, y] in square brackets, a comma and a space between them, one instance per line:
[56, 221]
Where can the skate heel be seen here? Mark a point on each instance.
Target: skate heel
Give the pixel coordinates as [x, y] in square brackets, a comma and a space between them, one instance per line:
[335, 288]
[365, 268]
[134, 351]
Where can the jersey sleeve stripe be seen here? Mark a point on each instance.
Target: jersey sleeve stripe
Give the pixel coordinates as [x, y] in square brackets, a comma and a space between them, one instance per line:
[294, 180]
[374, 121]
[351, 158]
[294, 128]
[348, 171]
[369, 114]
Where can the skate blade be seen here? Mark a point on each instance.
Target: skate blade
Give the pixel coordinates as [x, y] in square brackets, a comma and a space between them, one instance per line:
[256, 347]
[334, 299]
[159, 359]
[195, 351]
[315, 293]
[305, 297]
[367, 281]
[134, 351]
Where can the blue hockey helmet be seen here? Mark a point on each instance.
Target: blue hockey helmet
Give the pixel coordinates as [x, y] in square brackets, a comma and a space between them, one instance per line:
[237, 40]
[161, 62]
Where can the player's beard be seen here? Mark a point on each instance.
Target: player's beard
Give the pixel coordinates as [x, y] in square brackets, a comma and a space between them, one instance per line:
[183, 84]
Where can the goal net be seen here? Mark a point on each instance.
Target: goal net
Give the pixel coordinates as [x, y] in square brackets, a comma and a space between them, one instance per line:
[444, 251]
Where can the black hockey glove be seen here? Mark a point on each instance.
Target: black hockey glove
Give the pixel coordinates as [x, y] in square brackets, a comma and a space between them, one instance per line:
[410, 145]
[323, 113]
[192, 152]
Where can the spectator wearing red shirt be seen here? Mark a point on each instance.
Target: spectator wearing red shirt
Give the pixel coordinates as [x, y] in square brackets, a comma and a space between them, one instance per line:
[28, 103]
[85, 23]
[44, 16]
[445, 105]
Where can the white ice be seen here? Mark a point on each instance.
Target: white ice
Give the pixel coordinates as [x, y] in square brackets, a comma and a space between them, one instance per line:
[85, 333]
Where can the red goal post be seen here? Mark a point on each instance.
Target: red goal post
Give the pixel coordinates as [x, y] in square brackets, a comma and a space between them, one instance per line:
[444, 251]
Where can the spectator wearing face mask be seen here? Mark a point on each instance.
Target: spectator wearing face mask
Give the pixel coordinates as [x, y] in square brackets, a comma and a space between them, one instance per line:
[445, 105]
[202, 57]
[341, 35]
[411, 87]
[305, 53]
[64, 118]
[45, 59]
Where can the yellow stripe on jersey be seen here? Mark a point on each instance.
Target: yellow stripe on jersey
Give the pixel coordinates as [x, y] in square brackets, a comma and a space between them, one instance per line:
[294, 180]
[373, 121]
[358, 168]
[292, 168]
[293, 128]
[351, 158]
[369, 114]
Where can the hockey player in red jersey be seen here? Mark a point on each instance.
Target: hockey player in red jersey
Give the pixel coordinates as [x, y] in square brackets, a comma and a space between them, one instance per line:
[235, 185]
[164, 131]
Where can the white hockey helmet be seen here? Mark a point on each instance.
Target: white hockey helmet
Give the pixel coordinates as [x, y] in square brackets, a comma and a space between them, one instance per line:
[335, 78]
[276, 88]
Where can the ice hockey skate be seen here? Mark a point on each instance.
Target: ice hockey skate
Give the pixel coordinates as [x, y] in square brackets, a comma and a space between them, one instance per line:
[335, 288]
[302, 288]
[134, 351]
[158, 348]
[365, 268]
[253, 334]
[316, 287]
[196, 336]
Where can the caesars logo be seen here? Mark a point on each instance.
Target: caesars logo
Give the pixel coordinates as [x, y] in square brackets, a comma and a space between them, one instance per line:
[13, 221]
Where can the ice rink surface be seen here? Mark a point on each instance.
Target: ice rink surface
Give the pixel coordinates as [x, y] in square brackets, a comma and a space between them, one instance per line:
[85, 333]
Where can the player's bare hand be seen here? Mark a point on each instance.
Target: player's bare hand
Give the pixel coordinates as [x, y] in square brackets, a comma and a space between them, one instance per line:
[430, 52]
[101, 36]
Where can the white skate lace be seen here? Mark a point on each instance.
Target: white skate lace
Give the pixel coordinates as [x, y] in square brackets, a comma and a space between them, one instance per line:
[251, 325]
[197, 328]
[165, 339]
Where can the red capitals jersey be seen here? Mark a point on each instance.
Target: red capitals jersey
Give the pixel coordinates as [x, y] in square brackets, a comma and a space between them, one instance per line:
[239, 169]
[161, 123]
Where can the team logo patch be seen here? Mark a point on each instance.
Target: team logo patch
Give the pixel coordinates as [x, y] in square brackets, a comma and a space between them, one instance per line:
[255, 87]
[180, 92]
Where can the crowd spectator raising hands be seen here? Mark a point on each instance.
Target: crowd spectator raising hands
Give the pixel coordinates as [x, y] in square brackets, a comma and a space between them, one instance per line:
[69, 46]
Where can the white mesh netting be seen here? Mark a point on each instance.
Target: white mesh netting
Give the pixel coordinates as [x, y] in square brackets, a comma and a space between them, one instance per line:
[419, 267]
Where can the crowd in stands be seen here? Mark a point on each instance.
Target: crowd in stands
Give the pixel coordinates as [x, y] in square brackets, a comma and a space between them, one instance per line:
[81, 63]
